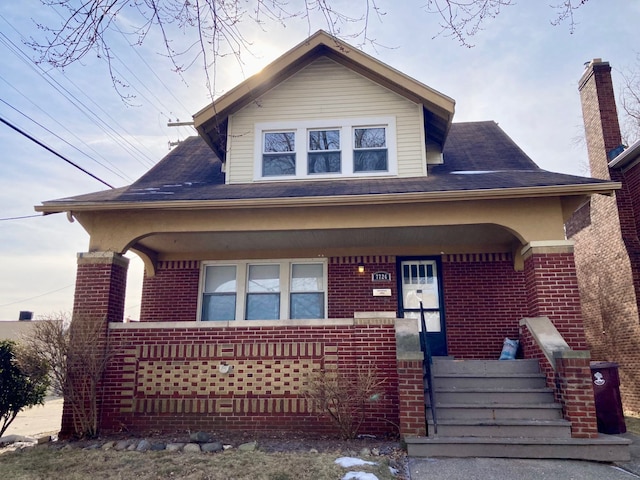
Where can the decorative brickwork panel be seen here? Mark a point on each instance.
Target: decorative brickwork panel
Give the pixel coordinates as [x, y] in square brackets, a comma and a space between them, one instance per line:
[484, 300]
[351, 291]
[168, 379]
[171, 295]
[552, 291]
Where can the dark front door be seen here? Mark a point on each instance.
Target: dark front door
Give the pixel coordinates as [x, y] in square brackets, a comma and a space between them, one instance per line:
[419, 280]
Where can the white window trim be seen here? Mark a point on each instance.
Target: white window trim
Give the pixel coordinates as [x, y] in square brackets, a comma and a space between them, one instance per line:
[241, 285]
[346, 127]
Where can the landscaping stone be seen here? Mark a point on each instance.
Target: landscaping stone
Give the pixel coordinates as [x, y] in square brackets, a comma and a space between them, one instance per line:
[123, 444]
[248, 447]
[143, 446]
[108, 446]
[174, 447]
[212, 447]
[191, 448]
[201, 437]
[158, 446]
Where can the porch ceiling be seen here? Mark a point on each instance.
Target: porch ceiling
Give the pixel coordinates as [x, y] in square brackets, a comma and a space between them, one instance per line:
[450, 239]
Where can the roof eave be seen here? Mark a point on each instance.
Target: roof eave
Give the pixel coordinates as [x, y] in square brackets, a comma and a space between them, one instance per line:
[627, 158]
[605, 188]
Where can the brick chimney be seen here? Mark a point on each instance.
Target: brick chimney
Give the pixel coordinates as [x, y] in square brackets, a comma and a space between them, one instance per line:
[600, 115]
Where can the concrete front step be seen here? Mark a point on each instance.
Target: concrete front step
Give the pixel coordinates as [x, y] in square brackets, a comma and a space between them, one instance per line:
[502, 428]
[482, 380]
[498, 411]
[476, 396]
[605, 448]
[447, 366]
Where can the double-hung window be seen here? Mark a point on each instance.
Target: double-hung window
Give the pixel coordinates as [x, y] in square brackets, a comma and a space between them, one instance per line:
[324, 152]
[279, 154]
[262, 290]
[370, 149]
[219, 292]
[325, 148]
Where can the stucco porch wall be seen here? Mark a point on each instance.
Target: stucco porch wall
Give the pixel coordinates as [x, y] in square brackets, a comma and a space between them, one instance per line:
[167, 376]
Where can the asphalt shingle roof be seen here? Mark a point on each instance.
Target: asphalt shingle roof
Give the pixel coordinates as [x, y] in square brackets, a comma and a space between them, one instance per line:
[477, 156]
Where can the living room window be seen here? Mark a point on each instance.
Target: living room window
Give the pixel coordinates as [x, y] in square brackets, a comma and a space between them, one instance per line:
[325, 148]
[263, 290]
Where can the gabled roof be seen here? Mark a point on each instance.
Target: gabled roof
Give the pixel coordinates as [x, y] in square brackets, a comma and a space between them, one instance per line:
[211, 122]
[480, 161]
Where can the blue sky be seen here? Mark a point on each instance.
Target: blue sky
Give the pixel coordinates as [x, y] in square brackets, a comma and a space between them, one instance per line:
[522, 73]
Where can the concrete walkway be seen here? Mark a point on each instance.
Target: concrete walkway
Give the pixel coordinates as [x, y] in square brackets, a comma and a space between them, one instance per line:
[37, 421]
[525, 469]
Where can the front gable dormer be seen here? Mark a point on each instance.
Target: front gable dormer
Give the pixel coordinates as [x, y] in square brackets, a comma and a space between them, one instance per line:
[326, 110]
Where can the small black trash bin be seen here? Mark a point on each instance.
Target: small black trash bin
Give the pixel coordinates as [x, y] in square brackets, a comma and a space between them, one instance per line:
[606, 389]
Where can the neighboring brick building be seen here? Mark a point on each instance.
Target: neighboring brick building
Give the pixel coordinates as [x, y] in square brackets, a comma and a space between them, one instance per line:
[323, 199]
[605, 230]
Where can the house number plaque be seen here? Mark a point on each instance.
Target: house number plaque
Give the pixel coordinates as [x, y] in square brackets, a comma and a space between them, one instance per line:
[381, 277]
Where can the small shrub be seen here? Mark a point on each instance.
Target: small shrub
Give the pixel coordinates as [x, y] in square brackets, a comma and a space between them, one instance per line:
[344, 397]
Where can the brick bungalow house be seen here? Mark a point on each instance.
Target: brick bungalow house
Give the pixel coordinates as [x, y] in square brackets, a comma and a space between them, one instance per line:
[605, 231]
[322, 200]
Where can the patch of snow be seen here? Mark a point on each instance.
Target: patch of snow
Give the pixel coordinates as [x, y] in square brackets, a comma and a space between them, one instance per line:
[473, 172]
[347, 462]
[359, 476]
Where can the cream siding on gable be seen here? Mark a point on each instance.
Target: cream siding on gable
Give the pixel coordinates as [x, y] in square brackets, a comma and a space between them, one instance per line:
[326, 90]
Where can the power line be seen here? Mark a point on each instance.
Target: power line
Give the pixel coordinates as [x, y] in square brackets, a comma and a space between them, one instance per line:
[18, 218]
[37, 296]
[60, 138]
[68, 130]
[49, 149]
[83, 108]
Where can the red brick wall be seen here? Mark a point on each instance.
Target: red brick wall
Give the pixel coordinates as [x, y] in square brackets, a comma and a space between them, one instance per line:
[552, 291]
[166, 379]
[350, 291]
[411, 398]
[171, 295]
[484, 300]
[576, 395]
[100, 288]
[607, 252]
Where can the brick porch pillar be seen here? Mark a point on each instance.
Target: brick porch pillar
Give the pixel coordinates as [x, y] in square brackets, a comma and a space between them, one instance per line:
[552, 291]
[101, 281]
[552, 288]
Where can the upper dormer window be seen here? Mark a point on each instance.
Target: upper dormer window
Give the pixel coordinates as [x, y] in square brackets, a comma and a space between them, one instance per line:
[370, 150]
[325, 148]
[324, 152]
[279, 154]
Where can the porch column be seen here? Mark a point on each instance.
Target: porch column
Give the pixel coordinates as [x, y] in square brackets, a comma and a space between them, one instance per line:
[552, 292]
[101, 283]
[101, 280]
[552, 288]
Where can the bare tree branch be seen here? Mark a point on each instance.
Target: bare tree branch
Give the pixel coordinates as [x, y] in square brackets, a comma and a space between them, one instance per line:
[221, 26]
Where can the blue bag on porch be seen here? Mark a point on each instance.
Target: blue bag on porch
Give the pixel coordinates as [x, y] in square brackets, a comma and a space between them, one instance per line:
[509, 349]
